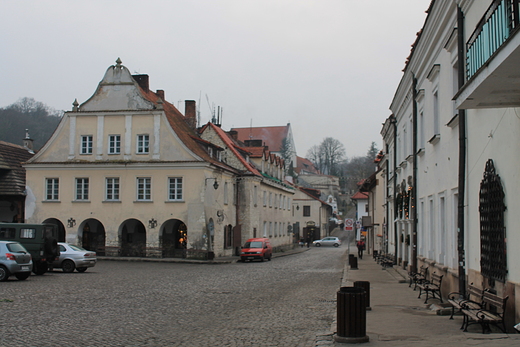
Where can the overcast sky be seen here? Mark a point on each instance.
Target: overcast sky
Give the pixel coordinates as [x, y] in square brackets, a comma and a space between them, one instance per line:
[328, 67]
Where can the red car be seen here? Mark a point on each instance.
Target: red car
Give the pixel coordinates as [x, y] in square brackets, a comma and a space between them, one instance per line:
[258, 248]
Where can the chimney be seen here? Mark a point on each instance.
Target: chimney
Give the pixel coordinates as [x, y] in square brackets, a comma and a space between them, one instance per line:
[143, 81]
[233, 134]
[27, 141]
[160, 92]
[190, 112]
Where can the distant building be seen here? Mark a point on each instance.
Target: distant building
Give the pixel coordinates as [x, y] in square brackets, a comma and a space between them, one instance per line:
[271, 136]
[311, 214]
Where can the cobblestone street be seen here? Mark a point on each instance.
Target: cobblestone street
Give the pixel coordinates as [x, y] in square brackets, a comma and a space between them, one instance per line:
[284, 302]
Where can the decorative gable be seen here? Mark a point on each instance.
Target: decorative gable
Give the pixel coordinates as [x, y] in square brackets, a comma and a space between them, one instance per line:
[117, 91]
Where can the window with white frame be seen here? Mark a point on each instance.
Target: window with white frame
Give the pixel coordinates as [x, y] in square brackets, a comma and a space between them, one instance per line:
[112, 189]
[275, 229]
[144, 189]
[255, 195]
[82, 188]
[175, 189]
[270, 199]
[86, 144]
[143, 143]
[114, 144]
[265, 198]
[52, 186]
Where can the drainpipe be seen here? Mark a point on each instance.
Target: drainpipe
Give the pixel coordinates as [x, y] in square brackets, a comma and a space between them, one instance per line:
[462, 157]
[414, 176]
[237, 216]
[396, 237]
[387, 199]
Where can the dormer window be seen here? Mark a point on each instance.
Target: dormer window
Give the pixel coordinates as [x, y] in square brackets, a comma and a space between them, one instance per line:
[210, 151]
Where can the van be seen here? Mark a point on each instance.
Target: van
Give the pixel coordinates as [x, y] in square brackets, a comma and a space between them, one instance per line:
[40, 240]
[257, 248]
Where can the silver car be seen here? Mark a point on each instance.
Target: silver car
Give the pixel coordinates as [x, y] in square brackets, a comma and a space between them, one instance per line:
[328, 241]
[74, 257]
[14, 260]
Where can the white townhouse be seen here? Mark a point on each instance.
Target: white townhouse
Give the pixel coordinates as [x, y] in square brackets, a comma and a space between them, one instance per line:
[449, 168]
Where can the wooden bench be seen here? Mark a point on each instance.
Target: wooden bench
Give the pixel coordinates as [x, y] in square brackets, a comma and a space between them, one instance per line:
[386, 260]
[492, 312]
[432, 286]
[418, 277]
[472, 299]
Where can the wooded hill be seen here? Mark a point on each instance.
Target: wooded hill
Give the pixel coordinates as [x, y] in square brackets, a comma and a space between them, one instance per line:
[27, 113]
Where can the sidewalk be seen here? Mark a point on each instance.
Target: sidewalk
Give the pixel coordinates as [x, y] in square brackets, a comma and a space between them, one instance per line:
[398, 318]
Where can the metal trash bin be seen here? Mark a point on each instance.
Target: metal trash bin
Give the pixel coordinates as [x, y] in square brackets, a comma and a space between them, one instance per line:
[366, 287]
[352, 261]
[351, 315]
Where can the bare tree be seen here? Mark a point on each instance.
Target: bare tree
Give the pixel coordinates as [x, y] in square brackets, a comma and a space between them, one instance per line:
[333, 153]
[315, 155]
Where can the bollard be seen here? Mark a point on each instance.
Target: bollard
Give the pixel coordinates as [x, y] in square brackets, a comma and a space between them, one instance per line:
[366, 287]
[351, 315]
[352, 261]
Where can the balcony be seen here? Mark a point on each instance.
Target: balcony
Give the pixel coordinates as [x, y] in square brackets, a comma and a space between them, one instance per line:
[492, 60]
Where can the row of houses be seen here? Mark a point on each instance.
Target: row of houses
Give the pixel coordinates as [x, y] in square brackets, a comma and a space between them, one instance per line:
[448, 181]
[127, 174]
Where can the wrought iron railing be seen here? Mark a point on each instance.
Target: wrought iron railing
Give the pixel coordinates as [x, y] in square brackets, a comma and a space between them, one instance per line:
[493, 30]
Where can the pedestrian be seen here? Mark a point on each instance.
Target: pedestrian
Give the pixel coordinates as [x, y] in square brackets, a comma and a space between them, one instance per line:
[308, 242]
[301, 243]
[361, 247]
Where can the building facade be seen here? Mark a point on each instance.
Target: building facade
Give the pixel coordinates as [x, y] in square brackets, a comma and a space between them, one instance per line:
[450, 182]
[126, 174]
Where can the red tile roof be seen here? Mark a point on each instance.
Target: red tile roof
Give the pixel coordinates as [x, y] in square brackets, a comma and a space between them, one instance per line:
[270, 136]
[305, 164]
[234, 148]
[179, 124]
[360, 196]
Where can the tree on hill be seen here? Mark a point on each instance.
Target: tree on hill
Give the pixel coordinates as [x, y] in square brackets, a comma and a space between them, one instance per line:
[27, 113]
[327, 156]
[356, 169]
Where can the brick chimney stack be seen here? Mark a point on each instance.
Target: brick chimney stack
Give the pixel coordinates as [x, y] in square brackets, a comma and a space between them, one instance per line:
[190, 112]
[160, 92]
[233, 134]
[143, 81]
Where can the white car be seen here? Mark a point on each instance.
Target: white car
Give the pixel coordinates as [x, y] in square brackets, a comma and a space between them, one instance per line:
[328, 241]
[73, 257]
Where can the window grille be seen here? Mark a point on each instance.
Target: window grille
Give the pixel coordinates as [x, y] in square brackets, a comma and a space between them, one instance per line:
[493, 261]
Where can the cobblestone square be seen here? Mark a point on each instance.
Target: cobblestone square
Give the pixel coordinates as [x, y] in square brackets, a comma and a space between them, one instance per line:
[284, 302]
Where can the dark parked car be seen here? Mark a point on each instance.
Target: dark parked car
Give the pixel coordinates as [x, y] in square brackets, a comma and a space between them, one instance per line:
[40, 240]
[14, 260]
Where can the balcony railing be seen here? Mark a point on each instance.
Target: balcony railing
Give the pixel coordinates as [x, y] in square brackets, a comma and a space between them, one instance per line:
[497, 25]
